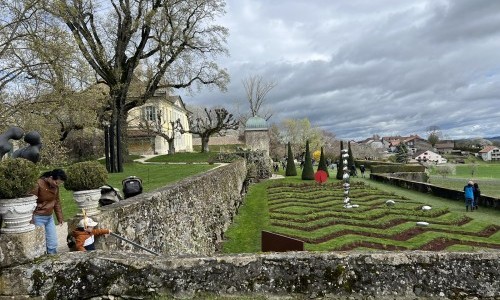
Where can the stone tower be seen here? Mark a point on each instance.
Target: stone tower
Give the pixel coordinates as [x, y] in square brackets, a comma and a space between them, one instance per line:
[257, 134]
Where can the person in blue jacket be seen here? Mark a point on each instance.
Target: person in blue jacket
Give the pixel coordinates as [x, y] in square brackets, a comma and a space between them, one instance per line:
[469, 195]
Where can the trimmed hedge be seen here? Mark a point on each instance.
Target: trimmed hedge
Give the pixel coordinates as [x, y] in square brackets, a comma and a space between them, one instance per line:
[291, 170]
[396, 168]
[370, 163]
[340, 164]
[308, 170]
[86, 175]
[322, 163]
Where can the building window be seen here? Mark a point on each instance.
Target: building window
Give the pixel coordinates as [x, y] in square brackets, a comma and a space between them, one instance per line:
[149, 113]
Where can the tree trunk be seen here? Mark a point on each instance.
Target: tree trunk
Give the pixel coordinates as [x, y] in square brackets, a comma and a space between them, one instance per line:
[117, 133]
[106, 148]
[171, 146]
[119, 145]
[204, 144]
[112, 152]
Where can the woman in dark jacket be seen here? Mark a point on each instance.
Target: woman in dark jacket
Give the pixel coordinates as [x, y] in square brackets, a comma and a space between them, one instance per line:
[48, 202]
[477, 195]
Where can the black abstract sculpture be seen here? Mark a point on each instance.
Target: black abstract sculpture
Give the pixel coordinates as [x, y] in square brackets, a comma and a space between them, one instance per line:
[31, 152]
[14, 133]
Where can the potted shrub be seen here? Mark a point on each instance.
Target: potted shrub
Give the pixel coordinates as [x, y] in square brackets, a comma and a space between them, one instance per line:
[18, 177]
[85, 179]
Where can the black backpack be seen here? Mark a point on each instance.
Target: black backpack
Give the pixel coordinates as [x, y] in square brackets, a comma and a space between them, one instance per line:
[132, 186]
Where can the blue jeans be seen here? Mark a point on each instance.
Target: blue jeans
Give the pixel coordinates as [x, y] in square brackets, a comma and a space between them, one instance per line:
[50, 231]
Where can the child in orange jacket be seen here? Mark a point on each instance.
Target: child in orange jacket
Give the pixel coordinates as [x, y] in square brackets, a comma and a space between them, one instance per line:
[84, 234]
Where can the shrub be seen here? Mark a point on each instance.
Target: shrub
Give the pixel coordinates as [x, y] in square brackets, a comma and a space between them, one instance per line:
[291, 170]
[340, 165]
[252, 171]
[445, 170]
[87, 175]
[317, 155]
[18, 176]
[396, 168]
[308, 171]
[350, 159]
[322, 163]
[84, 145]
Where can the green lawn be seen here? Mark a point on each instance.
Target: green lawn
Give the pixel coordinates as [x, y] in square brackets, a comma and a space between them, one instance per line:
[153, 176]
[313, 213]
[220, 148]
[489, 187]
[491, 171]
[184, 157]
[487, 175]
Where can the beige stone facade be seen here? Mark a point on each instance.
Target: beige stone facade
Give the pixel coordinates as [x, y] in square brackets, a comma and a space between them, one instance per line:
[168, 109]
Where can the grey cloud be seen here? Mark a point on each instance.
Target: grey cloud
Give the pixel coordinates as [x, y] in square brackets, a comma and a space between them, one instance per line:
[362, 67]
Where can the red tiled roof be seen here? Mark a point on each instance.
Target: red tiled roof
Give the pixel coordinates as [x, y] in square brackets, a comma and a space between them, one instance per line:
[394, 142]
[445, 145]
[488, 149]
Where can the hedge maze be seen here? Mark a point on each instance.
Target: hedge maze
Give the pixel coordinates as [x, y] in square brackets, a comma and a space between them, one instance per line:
[315, 214]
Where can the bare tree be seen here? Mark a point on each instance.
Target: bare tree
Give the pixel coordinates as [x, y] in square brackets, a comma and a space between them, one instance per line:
[15, 15]
[157, 127]
[53, 72]
[256, 89]
[207, 123]
[175, 41]
[434, 134]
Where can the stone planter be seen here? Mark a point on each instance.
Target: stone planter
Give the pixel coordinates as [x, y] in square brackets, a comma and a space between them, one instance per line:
[88, 200]
[17, 214]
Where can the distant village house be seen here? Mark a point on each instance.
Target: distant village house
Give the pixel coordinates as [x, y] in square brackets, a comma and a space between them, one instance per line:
[490, 153]
[431, 157]
[445, 147]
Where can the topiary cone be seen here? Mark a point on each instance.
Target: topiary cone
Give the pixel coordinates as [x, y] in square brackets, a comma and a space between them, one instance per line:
[291, 170]
[322, 163]
[308, 171]
[340, 165]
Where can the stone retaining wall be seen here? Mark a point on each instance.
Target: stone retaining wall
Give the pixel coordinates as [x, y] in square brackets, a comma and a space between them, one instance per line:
[187, 217]
[400, 275]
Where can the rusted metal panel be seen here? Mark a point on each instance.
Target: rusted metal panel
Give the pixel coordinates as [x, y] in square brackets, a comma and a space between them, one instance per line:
[273, 242]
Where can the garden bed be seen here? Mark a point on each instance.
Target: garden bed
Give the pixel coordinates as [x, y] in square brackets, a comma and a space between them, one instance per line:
[315, 214]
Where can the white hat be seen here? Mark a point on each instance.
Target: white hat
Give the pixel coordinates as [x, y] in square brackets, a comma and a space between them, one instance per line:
[86, 221]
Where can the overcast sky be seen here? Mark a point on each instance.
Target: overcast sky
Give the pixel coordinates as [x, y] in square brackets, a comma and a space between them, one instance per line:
[363, 67]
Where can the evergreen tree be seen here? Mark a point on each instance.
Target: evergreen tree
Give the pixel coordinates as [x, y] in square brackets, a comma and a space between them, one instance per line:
[290, 164]
[308, 171]
[402, 153]
[340, 165]
[350, 159]
[322, 163]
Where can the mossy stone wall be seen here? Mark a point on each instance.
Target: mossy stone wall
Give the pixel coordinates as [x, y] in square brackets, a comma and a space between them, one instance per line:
[301, 275]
